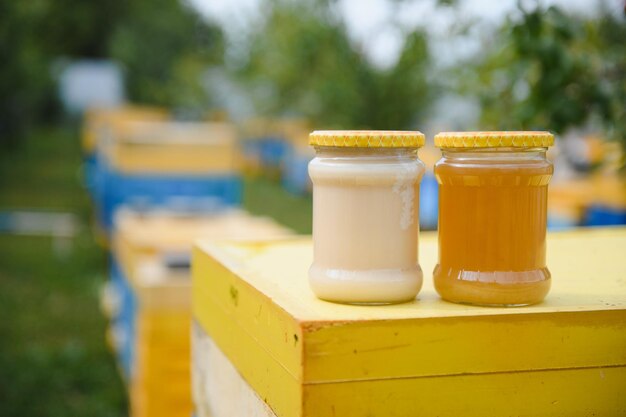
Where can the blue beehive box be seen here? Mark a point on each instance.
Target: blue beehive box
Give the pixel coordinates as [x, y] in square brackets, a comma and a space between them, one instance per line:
[99, 123]
[165, 163]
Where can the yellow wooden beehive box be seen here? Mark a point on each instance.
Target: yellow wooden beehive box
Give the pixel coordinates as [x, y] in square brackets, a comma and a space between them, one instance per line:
[250, 133]
[305, 357]
[143, 244]
[100, 120]
[182, 148]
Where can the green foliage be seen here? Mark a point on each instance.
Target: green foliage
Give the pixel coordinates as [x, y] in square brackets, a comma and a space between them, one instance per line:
[554, 71]
[403, 93]
[25, 83]
[33, 34]
[611, 40]
[301, 61]
[78, 28]
[163, 44]
[165, 48]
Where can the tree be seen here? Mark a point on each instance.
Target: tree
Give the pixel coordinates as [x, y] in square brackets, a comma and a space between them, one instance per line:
[163, 44]
[165, 47]
[302, 61]
[553, 71]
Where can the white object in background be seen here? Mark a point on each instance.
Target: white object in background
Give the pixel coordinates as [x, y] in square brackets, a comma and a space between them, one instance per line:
[62, 227]
[91, 83]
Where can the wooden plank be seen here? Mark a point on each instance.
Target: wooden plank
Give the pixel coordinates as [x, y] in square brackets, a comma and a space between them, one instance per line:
[569, 392]
[221, 391]
[474, 345]
[270, 378]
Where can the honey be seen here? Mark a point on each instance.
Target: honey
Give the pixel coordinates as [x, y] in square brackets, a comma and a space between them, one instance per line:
[365, 216]
[492, 217]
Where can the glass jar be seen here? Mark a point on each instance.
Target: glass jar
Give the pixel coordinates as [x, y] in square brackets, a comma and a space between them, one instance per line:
[493, 190]
[365, 216]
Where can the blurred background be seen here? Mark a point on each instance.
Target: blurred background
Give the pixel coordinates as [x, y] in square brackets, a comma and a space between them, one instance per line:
[193, 107]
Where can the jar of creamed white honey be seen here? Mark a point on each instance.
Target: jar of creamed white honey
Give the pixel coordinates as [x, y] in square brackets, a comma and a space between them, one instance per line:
[365, 216]
[493, 190]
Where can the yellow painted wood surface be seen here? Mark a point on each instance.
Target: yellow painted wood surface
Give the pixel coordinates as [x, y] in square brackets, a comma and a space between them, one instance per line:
[173, 148]
[142, 241]
[569, 392]
[254, 301]
[220, 391]
[161, 382]
[100, 122]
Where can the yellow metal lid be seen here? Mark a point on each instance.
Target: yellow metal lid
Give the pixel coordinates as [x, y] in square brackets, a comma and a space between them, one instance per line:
[494, 139]
[367, 138]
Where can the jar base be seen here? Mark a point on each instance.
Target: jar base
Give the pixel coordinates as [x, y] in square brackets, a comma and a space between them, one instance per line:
[492, 289]
[368, 304]
[366, 287]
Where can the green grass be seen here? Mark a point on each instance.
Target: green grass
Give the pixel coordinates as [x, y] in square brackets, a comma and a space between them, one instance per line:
[268, 198]
[53, 356]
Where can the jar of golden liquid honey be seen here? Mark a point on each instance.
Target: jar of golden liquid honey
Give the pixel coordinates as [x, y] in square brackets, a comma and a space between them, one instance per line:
[493, 190]
[365, 216]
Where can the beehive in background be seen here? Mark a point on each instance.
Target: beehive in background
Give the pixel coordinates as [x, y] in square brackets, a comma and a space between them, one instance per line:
[588, 189]
[597, 200]
[99, 119]
[150, 280]
[295, 174]
[429, 188]
[175, 164]
[252, 132]
[100, 123]
[265, 346]
[267, 142]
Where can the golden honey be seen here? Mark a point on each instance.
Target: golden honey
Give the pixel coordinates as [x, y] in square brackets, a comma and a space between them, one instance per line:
[492, 217]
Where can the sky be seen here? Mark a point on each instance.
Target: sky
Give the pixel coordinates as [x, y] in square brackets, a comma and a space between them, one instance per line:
[377, 26]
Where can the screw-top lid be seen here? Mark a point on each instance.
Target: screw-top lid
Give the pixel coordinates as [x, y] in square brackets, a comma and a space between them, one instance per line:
[367, 138]
[494, 139]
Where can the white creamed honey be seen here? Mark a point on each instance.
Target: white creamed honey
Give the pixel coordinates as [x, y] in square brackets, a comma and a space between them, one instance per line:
[365, 216]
